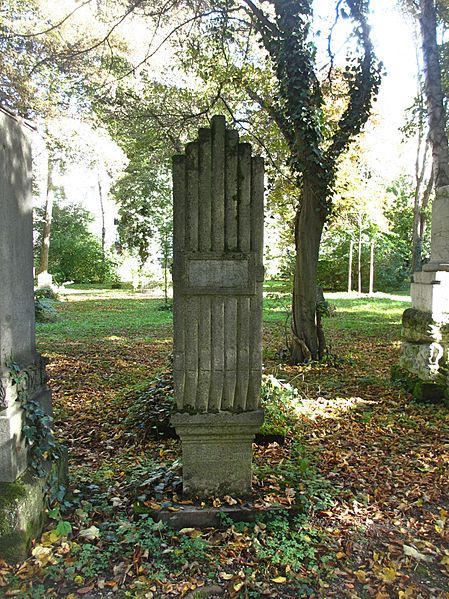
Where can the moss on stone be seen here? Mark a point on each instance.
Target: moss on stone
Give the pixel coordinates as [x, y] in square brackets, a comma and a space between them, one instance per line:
[416, 318]
[422, 391]
[10, 492]
[426, 392]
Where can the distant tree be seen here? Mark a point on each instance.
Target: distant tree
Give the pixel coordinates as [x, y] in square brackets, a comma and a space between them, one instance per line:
[75, 253]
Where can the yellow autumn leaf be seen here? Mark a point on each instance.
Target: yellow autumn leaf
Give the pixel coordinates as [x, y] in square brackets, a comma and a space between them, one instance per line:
[439, 527]
[43, 555]
[225, 576]
[238, 585]
[388, 574]
[279, 579]
[361, 576]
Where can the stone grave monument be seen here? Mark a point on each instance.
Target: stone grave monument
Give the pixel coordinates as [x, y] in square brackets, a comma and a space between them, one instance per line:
[425, 326]
[218, 194]
[22, 374]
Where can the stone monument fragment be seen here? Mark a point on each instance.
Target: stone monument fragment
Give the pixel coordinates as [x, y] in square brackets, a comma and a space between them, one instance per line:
[218, 193]
[22, 374]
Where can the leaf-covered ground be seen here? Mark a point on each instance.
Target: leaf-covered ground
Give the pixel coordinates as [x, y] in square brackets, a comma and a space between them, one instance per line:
[367, 467]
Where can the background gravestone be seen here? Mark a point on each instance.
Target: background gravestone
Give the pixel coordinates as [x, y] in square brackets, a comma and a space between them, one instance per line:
[424, 358]
[21, 369]
[218, 192]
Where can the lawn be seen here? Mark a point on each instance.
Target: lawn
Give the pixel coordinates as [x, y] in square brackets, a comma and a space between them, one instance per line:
[366, 467]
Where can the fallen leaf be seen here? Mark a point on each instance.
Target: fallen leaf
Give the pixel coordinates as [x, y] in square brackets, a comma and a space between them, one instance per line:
[412, 552]
[90, 534]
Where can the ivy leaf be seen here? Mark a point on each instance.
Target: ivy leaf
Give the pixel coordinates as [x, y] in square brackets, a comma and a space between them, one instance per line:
[64, 528]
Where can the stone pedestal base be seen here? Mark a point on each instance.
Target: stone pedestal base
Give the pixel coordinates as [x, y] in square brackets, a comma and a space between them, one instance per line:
[425, 334]
[217, 451]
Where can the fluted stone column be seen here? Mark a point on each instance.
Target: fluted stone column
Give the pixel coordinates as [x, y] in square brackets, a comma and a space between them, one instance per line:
[425, 332]
[218, 193]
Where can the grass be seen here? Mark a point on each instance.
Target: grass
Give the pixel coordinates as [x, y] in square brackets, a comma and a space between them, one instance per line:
[107, 317]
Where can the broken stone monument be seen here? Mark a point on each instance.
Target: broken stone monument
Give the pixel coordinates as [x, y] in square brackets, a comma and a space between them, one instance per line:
[22, 373]
[425, 326]
[218, 194]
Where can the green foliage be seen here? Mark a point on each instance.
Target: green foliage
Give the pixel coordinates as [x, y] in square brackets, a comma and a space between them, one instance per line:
[45, 309]
[280, 401]
[46, 293]
[150, 407]
[37, 428]
[75, 253]
[289, 542]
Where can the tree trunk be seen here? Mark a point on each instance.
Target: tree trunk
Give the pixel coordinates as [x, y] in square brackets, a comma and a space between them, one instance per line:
[307, 344]
[371, 270]
[103, 227]
[165, 268]
[359, 265]
[351, 249]
[434, 94]
[46, 231]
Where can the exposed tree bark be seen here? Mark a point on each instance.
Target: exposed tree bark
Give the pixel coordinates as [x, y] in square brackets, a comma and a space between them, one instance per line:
[308, 230]
[371, 269]
[46, 231]
[419, 203]
[359, 261]
[103, 225]
[434, 93]
[351, 249]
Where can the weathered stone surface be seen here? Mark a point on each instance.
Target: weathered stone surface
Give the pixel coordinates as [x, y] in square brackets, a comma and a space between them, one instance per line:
[21, 516]
[430, 293]
[424, 352]
[424, 360]
[217, 451]
[420, 327]
[22, 509]
[22, 371]
[197, 517]
[422, 391]
[218, 195]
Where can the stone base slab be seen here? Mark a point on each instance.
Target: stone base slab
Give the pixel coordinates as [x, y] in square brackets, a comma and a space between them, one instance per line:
[217, 451]
[196, 517]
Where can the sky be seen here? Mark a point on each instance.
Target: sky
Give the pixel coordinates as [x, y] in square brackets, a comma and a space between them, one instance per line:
[394, 43]
[392, 35]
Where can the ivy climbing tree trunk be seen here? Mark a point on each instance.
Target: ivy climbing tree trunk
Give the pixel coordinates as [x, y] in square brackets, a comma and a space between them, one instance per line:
[307, 344]
[299, 114]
